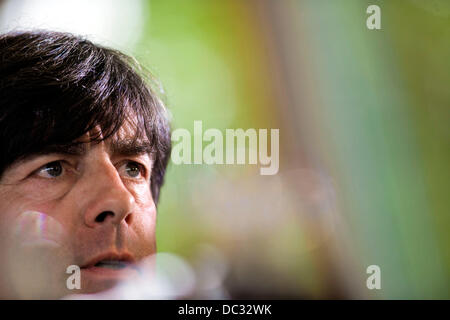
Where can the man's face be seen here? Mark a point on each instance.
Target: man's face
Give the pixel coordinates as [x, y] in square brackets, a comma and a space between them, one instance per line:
[91, 206]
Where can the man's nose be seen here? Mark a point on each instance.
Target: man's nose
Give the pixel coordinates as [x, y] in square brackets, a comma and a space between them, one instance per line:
[109, 201]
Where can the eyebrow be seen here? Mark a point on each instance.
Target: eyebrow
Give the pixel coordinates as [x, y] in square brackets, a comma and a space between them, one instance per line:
[78, 149]
[129, 147]
[120, 147]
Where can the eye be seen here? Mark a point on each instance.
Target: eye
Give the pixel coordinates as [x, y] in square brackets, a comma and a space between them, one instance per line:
[133, 169]
[51, 170]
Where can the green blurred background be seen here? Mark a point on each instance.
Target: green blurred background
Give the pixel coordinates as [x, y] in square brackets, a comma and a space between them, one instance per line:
[364, 142]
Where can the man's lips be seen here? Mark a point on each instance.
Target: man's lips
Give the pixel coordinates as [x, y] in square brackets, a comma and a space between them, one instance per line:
[109, 258]
[110, 264]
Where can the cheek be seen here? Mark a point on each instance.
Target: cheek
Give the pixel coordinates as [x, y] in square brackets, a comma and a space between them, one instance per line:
[142, 195]
[28, 240]
[14, 203]
[145, 215]
[17, 202]
[144, 227]
[31, 196]
[45, 191]
[145, 221]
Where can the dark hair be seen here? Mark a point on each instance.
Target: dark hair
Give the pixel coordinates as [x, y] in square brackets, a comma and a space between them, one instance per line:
[55, 87]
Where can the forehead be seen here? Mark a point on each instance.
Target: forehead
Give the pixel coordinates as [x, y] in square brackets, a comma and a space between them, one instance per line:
[128, 140]
[129, 130]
